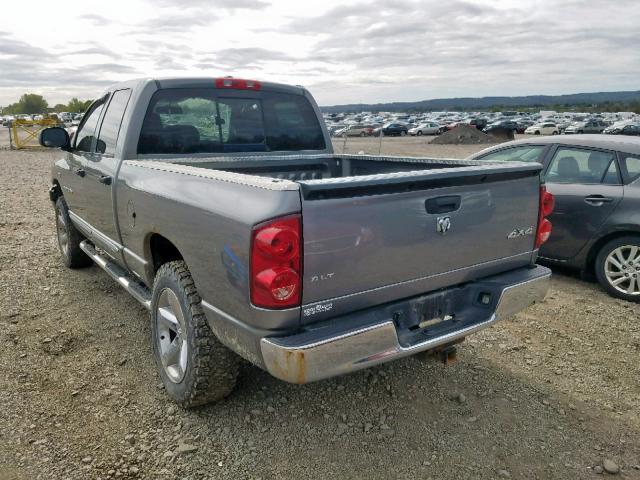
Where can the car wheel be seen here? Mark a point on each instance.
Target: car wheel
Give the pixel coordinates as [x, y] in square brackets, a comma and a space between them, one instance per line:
[580, 131]
[555, 132]
[537, 132]
[362, 134]
[419, 132]
[403, 133]
[69, 238]
[194, 366]
[618, 268]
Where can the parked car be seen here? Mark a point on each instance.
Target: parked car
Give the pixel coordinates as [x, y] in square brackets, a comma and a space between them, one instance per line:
[589, 126]
[502, 125]
[628, 129]
[522, 125]
[479, 123]
[428, 128]
[251, 238]
[335, 128]
[391, 129]
[596, 222]
[355, 131]
[546, 128]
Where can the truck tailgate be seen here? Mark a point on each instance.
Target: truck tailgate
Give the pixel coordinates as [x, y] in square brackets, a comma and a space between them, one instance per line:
[371, 240]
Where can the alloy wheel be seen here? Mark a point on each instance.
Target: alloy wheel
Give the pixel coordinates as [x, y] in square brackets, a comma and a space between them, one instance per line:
[171, 335]
[622, 269]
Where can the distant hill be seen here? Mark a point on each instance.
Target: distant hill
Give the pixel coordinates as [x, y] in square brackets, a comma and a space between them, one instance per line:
[486, 103]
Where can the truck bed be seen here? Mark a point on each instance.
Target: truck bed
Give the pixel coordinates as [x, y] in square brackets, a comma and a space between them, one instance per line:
[370, 224]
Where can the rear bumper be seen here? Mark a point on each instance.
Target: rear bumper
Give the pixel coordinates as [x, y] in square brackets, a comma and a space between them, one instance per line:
[379, 335]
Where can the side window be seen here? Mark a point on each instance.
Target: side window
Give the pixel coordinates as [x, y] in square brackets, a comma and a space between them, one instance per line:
[576, 165]
[526, 153]
[85, 135]
[111, 122]
[631, 166]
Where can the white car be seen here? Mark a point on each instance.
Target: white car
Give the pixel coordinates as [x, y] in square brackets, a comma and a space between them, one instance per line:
[428, 128]
[546, 128]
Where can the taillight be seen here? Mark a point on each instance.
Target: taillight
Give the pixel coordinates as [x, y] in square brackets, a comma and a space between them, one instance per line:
[238, 83]
[276, 269]
[547, 202]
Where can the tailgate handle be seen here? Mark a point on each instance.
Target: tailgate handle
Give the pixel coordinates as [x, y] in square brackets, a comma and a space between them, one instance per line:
[446, 204]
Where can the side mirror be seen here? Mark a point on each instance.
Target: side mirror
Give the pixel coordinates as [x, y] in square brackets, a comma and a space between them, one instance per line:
[55, 137]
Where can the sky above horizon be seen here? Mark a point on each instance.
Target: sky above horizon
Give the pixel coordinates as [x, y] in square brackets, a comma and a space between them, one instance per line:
[343, 52]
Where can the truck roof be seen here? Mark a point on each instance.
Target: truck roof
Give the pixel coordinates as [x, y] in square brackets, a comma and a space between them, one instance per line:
[202, 82]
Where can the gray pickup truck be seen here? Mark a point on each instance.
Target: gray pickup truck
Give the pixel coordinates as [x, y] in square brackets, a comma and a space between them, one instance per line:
[220, 206]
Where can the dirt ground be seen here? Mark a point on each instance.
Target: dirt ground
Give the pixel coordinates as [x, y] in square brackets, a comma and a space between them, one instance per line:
[549, 394]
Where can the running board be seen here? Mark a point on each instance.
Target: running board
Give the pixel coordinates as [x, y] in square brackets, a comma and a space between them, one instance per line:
[135, 288]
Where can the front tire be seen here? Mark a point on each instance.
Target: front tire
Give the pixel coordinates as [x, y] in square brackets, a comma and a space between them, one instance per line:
[419, 133]
[618, 268]
[194, 366]
[69, 237]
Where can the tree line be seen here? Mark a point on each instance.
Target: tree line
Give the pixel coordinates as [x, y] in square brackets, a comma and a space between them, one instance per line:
[31, 103]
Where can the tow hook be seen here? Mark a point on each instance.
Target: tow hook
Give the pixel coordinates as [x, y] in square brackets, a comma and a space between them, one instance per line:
[446, 353]
[449, 355]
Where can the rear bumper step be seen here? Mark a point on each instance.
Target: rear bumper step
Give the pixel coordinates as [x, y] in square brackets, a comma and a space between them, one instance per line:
[329, 350]
[131, 285]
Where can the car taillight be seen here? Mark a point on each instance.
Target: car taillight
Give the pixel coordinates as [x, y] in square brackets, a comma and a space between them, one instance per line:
[276, 268]
[238, 83]
[547, 202]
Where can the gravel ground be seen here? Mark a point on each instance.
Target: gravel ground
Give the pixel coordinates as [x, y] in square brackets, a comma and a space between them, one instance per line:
[552, 393]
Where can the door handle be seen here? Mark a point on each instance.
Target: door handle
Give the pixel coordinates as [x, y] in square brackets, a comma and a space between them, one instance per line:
[80, 172]
[105, 179]
[597, 200]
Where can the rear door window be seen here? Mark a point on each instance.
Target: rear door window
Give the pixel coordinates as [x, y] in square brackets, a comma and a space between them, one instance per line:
[204, 121]
[111, 123]
[583, 166]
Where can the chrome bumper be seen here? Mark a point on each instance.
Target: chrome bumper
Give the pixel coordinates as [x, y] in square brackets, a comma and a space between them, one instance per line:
[327, 356]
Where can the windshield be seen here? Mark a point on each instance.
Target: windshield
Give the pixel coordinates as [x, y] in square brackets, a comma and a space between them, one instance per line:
[202, 120]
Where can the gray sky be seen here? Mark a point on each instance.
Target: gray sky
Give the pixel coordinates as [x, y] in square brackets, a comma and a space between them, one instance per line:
[344, 52]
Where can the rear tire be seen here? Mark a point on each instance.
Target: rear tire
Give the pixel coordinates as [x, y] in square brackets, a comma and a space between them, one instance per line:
[69, 237]
[618, 268]
[194, 366]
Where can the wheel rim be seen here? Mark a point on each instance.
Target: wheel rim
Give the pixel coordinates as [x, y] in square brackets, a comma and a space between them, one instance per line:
[63, 234]
[622, 269]
[171, 335]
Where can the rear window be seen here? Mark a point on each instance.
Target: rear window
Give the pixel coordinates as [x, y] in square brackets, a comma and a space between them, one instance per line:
[203, 121]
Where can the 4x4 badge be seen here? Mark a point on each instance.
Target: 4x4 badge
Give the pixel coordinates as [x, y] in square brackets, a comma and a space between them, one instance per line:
[443, 225]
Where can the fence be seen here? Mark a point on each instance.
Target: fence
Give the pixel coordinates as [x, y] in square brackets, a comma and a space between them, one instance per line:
[26, 133]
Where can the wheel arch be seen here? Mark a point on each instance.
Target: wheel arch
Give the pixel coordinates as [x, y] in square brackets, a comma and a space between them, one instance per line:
[160, 250]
